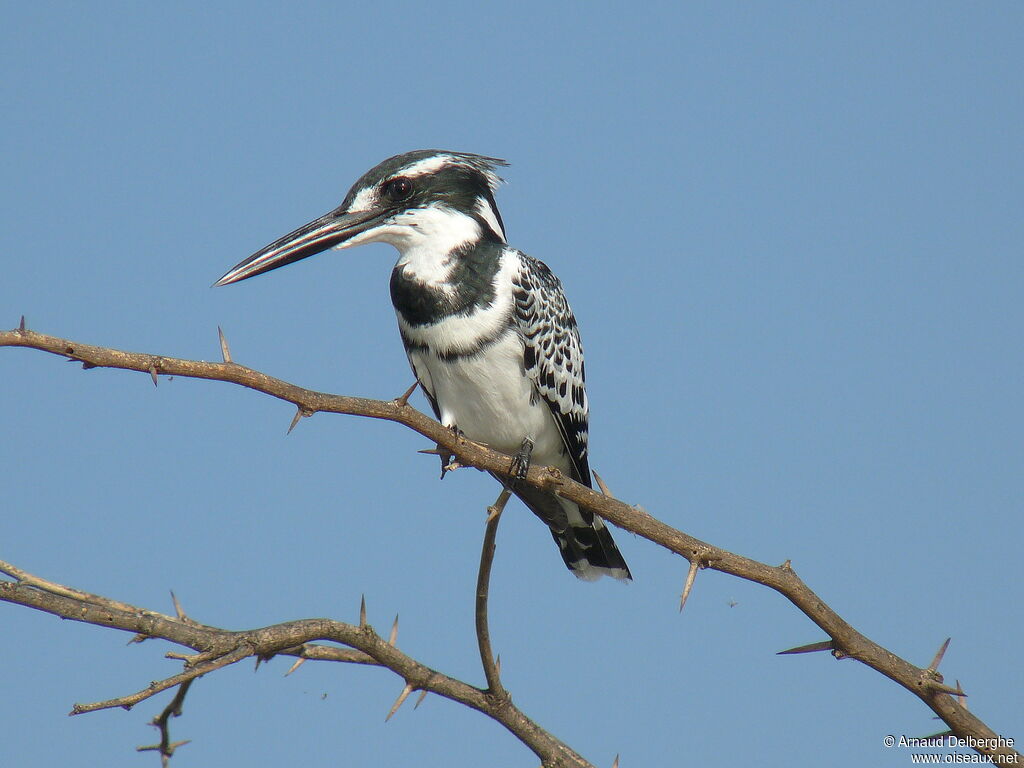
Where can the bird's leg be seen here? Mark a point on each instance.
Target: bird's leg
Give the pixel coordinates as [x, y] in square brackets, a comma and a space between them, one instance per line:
[521, 461]
[448, 461]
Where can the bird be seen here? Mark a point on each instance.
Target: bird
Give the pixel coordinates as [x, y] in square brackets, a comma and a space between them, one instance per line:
[487, 329]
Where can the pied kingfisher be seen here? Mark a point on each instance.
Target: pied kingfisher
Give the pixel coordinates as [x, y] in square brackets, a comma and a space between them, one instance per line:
[487, 329]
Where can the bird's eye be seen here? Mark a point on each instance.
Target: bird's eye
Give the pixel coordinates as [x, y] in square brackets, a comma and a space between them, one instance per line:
[398, 189]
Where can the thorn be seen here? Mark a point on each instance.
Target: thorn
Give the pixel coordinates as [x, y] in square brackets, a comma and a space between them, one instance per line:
[166, 752]
[298, 663]
[177, 606]
[824, 645]
[300, 413]
[445, 455]
[393, 637]
[403, 400]
[225, 351]
[606, 492]
[439, 451]
[497, 665]
[615, 763]
[938, 656]
[422, 696]
[362, 610]
[935, 685]
[86, 365]
[21, 325]
[691, 576]
[400, 700]
[152, 372]
[787, 566]
[961, 697]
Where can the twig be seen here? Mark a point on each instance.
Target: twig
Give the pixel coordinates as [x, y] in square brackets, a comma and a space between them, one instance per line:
[190, 673]
[162, 721]
[29, 580]
[483, 580]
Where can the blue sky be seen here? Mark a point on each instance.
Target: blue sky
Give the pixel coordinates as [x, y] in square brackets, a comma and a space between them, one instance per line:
[791, 234]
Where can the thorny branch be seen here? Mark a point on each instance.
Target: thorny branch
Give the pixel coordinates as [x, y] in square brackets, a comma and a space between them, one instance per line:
[845, 642]
[217, 647]
[162, 721]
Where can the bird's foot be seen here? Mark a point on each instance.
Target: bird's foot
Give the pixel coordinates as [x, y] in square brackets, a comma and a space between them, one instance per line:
[448, 461]
[451, 466]
[521, 461]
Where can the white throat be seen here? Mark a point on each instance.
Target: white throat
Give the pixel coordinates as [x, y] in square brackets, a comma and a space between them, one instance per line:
[425, 239]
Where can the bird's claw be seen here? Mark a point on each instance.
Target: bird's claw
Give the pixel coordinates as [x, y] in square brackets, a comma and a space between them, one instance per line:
[448, 461]
[521, 461]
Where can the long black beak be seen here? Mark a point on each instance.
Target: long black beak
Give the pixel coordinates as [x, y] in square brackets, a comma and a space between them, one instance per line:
[328, 231]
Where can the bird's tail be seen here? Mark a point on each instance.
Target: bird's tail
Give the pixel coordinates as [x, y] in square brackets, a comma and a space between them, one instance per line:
[590, 552]
[585, 543]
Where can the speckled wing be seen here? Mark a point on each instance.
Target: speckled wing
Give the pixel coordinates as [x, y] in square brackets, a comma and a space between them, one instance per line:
[553, 356]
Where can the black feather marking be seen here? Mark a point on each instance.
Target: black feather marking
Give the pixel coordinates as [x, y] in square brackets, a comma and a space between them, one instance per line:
[553, 357]
[470, 286]
[430, 397]
[582, 546]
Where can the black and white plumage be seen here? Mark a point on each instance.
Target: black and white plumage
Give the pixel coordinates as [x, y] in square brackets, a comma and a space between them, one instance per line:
[487, 329]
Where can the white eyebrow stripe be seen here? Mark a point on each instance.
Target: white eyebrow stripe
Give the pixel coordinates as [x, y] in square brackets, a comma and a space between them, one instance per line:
[426, 165]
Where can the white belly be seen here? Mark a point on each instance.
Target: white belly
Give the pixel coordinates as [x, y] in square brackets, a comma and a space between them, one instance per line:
[490, 399]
